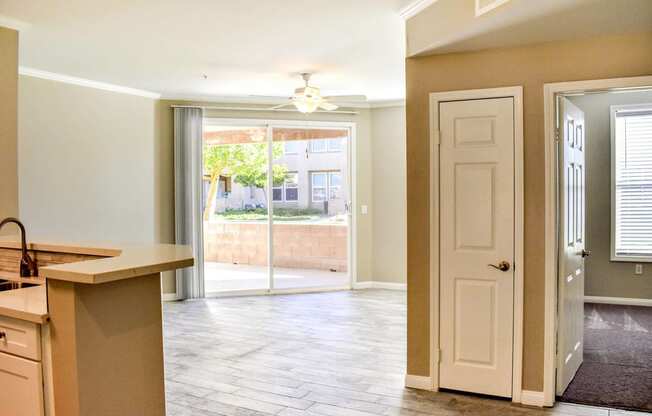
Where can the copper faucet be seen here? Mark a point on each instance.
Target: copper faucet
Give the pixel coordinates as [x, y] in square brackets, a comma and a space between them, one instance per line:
[28, 266]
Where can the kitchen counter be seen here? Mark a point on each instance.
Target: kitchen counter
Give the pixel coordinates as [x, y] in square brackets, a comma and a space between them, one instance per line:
[120, 262]
[28, 304]
[96, 309]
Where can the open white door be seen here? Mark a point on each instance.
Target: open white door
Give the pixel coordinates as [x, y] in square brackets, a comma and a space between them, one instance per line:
[571, 245]
[477, 245]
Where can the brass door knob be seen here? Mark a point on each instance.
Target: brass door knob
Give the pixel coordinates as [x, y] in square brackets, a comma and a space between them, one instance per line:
[503, 266]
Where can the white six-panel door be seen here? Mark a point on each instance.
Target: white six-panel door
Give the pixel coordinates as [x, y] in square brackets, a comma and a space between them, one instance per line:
[476, 235]
[571, 246]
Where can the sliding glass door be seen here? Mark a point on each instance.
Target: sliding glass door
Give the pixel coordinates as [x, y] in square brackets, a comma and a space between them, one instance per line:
[236, 215]
[276, 207]
[310, 201]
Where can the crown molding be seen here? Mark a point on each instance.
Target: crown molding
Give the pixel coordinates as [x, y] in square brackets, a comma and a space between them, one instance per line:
[11, 23]
[52, 76]
[415, 8]
[387, 104]
[235, 99]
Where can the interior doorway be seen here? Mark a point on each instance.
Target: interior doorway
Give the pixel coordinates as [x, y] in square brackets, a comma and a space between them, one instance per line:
[601, 132]
[277, 206]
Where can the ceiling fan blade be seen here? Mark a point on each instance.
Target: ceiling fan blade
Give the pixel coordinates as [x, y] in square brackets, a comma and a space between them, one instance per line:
[324, 105]
[347, 98]
[268, 97]
[276, 107]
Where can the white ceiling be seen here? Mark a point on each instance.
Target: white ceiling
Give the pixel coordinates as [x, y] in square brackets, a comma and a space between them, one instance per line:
[243, 46]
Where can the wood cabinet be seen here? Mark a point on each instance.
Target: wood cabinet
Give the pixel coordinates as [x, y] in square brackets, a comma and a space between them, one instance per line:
[21, 371]
[22, 386]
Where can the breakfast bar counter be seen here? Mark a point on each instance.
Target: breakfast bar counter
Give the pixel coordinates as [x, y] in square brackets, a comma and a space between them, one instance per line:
[84, 336]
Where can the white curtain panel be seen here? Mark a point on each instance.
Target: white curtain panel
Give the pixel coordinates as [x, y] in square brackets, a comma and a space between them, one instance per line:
[188, 131]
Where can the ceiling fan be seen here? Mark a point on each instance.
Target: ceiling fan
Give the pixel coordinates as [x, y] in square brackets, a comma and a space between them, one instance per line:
[308, 99]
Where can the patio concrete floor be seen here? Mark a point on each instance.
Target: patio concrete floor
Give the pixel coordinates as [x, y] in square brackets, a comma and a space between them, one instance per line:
[221, 277]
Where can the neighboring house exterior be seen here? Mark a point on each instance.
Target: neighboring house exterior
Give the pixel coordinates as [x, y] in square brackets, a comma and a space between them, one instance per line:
[318, 175]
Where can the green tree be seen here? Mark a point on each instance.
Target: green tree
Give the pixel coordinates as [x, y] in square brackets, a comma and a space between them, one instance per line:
[245, 163]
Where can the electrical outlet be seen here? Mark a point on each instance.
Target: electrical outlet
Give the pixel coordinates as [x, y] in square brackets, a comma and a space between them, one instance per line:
[364, 209]
[638, 269]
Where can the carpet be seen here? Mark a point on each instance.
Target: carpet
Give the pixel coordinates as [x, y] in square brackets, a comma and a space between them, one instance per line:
[617, 367]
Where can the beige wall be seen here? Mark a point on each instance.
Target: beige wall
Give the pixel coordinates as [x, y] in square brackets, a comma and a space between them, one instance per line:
[8, 125]
[86, 162]
[389, 215]
[165, 174]
[530, 66]
[603, 276]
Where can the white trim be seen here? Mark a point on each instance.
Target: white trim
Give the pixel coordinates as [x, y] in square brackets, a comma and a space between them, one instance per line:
[532, 398]
[363, 285]
[550, 217]
[618, 301]
[415, 8]
[37, 73]
[169, 297]
[11, 23]
[480, 10]
[517, 93]
[389, 286]
[418, 382]
[238, 103]
[386, 104]
[380, 285]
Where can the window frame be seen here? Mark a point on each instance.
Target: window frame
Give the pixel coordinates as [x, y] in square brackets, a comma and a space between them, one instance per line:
[327, 186]
[283, 188]
[327, 145]
[312, 186]
[285, 151]
[331, 186]
[286, 187]
[614, 109]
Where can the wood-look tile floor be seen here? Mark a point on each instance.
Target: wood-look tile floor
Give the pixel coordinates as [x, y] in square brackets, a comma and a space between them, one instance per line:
[326, 354]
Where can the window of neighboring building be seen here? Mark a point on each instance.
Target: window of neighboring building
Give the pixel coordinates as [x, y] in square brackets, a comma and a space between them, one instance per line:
[325, 145]
[291, 147]
[318, 184]
[631, 184]
[334, 145]
[277, 193]
[287, 191]
[292, 187]
[325, 185]
[334, 185]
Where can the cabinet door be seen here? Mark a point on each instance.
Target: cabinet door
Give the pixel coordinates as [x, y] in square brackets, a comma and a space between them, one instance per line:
[21, 386]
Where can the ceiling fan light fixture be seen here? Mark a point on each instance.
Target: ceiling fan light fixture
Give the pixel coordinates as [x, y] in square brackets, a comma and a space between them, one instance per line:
[306, 105]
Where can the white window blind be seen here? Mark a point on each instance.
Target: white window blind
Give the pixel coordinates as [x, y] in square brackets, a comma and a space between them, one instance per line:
[633, 184]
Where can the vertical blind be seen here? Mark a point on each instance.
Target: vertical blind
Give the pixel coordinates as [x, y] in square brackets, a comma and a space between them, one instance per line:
[633, 184]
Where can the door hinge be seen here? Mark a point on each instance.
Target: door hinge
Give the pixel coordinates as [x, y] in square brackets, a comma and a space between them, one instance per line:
[437, 356]
[556, 134]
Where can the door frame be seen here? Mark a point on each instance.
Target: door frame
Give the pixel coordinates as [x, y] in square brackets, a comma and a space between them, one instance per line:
[551, 270]
[516, 93]
[352, 251]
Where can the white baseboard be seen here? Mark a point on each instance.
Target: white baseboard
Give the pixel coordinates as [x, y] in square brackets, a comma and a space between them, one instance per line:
[532, 398]
[418, 382]
[169, 297]
[380, 285]
[389, 286]
[618, 301]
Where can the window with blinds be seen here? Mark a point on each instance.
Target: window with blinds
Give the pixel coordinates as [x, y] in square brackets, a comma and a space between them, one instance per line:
[632, 183]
